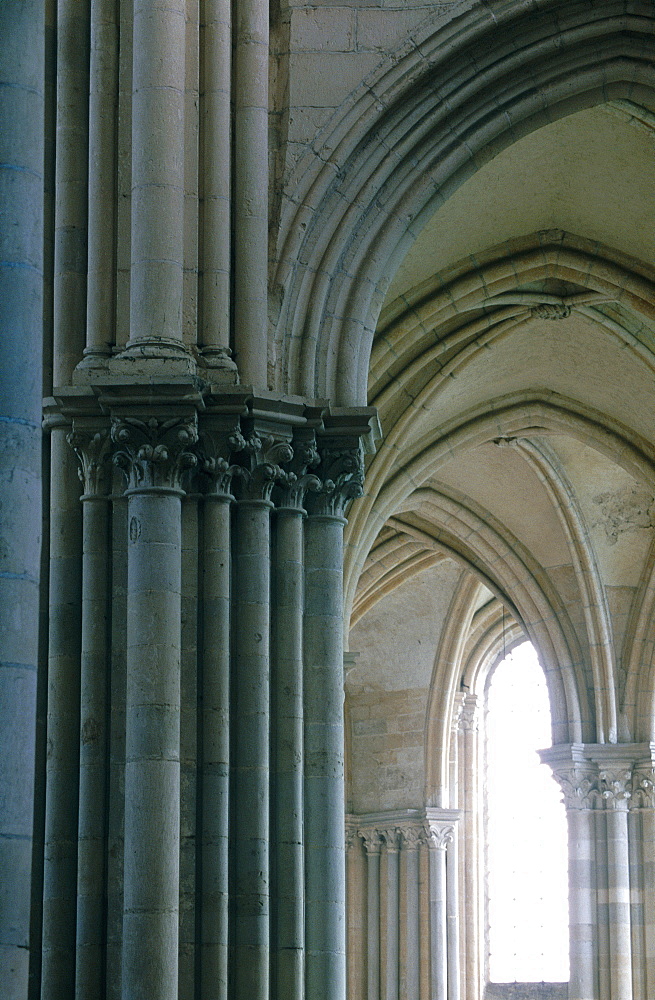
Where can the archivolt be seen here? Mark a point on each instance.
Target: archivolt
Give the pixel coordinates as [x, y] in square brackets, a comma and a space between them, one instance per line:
[451, 99]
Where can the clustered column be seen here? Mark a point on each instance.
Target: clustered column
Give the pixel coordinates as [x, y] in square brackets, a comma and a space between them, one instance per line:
[153, 453]
[265, 708]
[608, 796]
[406, 929]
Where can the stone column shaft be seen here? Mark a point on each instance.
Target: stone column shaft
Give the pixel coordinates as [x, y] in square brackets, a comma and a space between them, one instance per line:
[410, 922]
[618, 875]
[438, 946]
[103, 106]
[21, 333]
[324, 768]
[216, 126]
[393, 919]
[648, 861]
[452, 920]
[152, 767]
[602, 950]
[251, 189]
[215, 745]
[63, 724]
[582, 892]
[157, 172]
[356, 913]
[472, 845]
[94, 705]
[289, 756]
[251, 750]
[373, 919]
[71, 187]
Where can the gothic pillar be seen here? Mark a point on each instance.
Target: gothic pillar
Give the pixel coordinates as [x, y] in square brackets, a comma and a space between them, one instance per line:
[390, 968]
[69, 334]
[216, 130]
[153, 453]
[615, 787]
[63, 722]
[356, 912]
[21, 331]
[341, 473]
[157, 179]
[261, 453]
[642, 807]
[577, 778]
[470, 843]
[251, 189]
[103, 107]
[215, 732]
[373, 847]
[91, 444]
[288, 719]
[608, 795]
[410, 923]
[442, 833]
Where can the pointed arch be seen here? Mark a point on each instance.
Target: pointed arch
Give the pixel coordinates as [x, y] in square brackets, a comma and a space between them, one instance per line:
[447, 101]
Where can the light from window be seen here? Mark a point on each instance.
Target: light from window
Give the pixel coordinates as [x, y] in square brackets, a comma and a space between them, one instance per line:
[526, 831]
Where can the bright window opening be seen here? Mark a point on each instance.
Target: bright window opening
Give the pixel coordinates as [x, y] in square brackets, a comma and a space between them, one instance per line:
[526, 831]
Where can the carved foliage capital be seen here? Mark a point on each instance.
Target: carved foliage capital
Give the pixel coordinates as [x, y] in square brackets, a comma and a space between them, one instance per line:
[299, 476]
[373, 840]
[616, 787]
[217, 471]
[643, 788]
[341, 475]
[468, 720]
[413, 836]
[579, 787]
[441, 834]
[260, 457]
[92, 445]
[154, 453]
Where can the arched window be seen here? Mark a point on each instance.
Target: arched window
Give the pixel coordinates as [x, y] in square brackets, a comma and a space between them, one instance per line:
[526, 842]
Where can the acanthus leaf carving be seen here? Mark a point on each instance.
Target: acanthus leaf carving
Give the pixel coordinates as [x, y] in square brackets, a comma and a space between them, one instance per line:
[261, 458]
[616, 787]
[441, 834]
[92, 445]
[372, 839]
[298, 475]
[643, 789]
[152, 453]
[216, 469]
[341, 475]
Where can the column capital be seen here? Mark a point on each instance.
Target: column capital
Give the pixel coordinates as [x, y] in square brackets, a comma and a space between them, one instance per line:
[469, 715]
[340, 478]
[595, 774]
[299, 475]
[441, 825]
[260, 454]
[616, 787]
[91, 442]
[643, 787]
[218, 439]
[372, 839]
[154, 453]
[413, 835]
